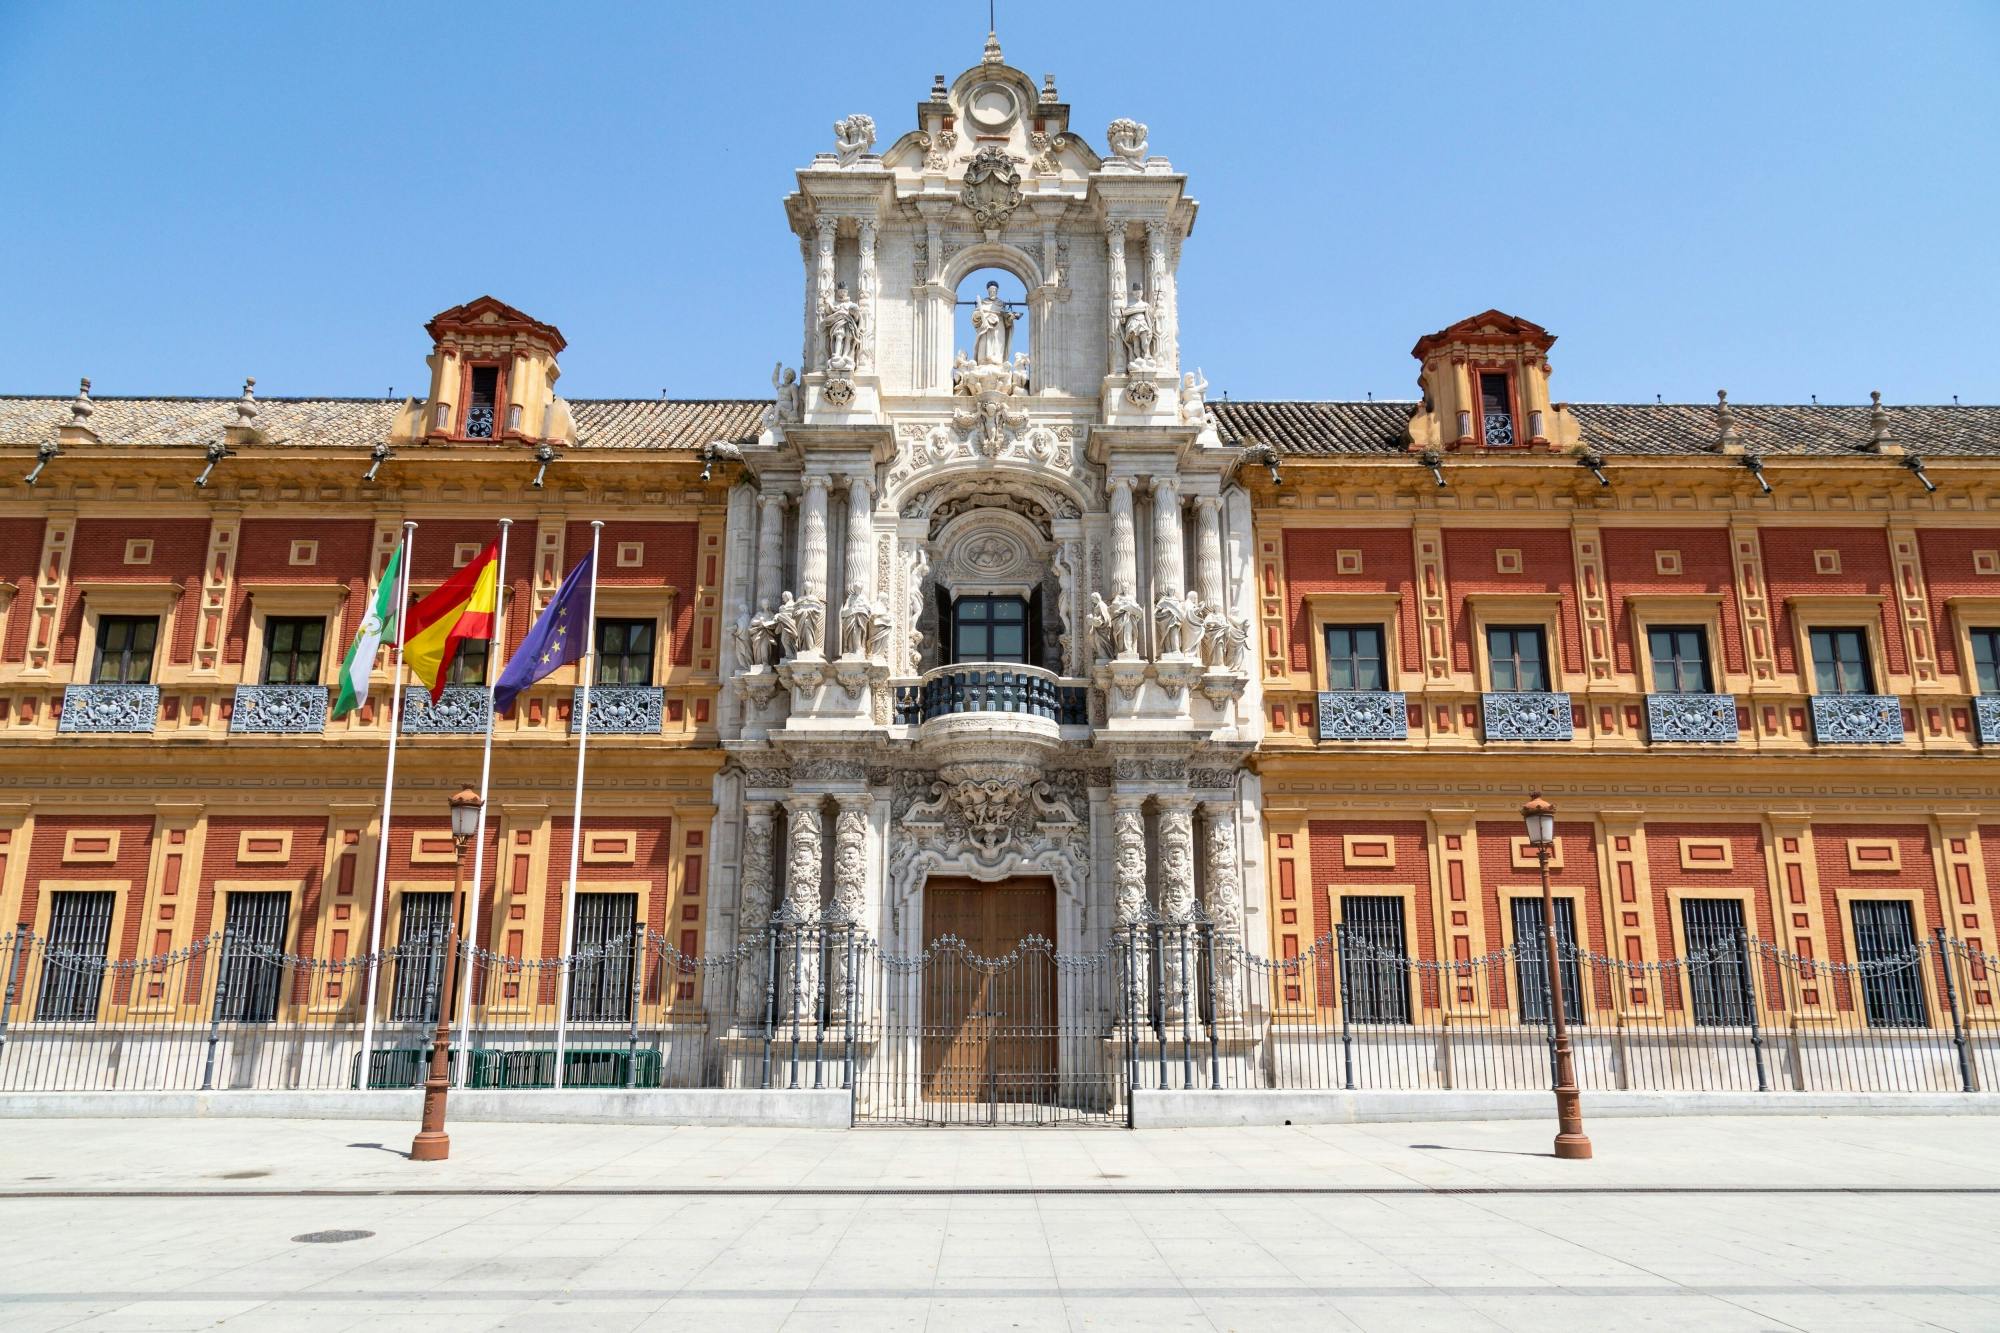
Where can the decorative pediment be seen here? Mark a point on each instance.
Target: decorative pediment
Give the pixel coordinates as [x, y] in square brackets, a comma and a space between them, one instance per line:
[1492, 328]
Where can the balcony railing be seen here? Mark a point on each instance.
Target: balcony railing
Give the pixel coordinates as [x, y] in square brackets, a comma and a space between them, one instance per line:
[1363, 715]
[459, 711]
[1986, 717]
[109, 708]
[1523, 715]
[1696, 718]
[279, 710]
[1857, 719]
[979, 687]
[619, 710]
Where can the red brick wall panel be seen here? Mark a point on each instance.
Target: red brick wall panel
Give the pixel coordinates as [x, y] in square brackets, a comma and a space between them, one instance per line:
[98, 555]
[668, 562]
[1917, 877]
[264, 551]
[300, 871]
[1631, 567]
[1789, 571]
[1948, 572]
[20, 553]
[45, 862]
[1388, 564]
[1504, 881]
[438, 539]
[1548, 565]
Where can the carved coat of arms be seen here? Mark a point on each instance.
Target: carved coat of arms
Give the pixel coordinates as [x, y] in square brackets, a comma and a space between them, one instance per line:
[992, 187]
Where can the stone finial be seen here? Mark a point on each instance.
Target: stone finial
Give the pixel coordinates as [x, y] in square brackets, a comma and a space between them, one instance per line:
[938, 93]
[993, 56]
[246, 406]
[1728, 439]
[81, 407]
[1049, 93]
[1878, 421]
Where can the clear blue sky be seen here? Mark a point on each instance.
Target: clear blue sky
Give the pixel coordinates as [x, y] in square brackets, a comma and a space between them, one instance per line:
[1779, 199]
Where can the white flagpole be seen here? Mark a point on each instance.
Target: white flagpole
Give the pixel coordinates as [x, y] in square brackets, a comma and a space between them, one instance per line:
[388, 801]
[494, 647]
[589, 664]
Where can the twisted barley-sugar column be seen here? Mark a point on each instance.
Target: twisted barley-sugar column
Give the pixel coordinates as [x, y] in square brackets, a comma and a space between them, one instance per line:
[1124, 540]
[860, 505]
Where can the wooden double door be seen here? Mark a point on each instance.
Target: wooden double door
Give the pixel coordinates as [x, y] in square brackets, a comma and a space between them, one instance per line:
[991, 1030]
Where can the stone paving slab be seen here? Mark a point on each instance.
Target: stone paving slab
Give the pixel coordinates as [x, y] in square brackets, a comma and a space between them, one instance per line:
[1728, 1224]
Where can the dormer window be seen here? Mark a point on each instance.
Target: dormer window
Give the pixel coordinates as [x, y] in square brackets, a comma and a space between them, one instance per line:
[482, 401]
[1496, 409]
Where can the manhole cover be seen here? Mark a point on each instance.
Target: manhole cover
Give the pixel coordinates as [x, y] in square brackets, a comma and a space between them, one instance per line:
[331, 1237]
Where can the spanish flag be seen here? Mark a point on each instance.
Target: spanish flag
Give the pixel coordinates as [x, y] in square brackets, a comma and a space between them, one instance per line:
[461, 609]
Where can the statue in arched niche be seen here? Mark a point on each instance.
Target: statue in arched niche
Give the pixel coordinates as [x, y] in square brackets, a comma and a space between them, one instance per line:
[992, 328]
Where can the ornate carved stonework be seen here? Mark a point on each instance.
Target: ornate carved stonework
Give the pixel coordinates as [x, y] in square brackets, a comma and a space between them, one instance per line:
[990, 818]
[992, 187]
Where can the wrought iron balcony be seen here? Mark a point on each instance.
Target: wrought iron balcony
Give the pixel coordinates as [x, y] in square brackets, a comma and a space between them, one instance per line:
[978, 687]
[1523, 715]
[279, 710]
[1499, 428]
[479, 423]
[1363, 715]
[110, 708]
[619, 710]
[1857, 719]
[459, 711]
[1698, 718]
[1986, 718]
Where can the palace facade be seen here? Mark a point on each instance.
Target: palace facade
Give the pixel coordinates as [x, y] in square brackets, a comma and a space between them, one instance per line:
[989, 624]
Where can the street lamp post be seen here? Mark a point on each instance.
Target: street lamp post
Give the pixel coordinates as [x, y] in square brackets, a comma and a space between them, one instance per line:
[1571, 1142]
[432, 1144]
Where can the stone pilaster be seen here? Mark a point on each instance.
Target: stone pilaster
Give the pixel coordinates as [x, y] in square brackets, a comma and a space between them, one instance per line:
[1176, 836]
[866, 275]
[850, 889]
[755, 888]
[824, 229]
[798, 950]
[1128, 836]
[1114, 238]
[1222, 899]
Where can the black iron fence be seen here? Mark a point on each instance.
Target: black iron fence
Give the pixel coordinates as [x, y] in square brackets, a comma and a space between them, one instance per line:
[1036, 1035]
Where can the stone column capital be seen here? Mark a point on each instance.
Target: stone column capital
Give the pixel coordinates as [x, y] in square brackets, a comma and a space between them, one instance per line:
[760, 809]
[815, 482]
[1122, 801]
[1175, 802]
[774, 500]
[853, 800]
[804, 803]
[1118, 483]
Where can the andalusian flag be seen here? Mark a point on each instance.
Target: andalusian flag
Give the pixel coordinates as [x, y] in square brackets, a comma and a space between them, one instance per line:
[360, 660]
[461, 609]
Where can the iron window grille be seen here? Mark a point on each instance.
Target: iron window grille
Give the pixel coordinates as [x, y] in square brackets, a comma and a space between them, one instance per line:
[1892, 979]
[125, 650]
[1374, 970]
[1713, 929]
[1531, 960]
[485, 399]
[73, 964]
[292, 648]
[625, 652]
[1354, 658]
[1517, 658]
[253, 957]
[600, 988]
[1496, 410]
[419, 960]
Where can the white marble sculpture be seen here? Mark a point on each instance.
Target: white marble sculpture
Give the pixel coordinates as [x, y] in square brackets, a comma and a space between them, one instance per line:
[840, 323]
[1135, 330]
[852, 136]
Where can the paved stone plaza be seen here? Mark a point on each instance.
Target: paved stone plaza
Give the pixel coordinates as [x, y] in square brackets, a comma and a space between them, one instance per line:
[1717, 1223]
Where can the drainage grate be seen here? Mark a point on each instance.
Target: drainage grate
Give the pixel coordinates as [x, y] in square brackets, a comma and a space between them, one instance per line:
[331, 1237]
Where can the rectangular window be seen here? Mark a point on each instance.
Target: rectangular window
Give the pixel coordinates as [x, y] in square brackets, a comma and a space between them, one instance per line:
[485, 398]
[253, 950]
[292, 646]
[1892, 969]
[625, 652]
[1354, 658]
[1840, 662]
[73, 961]
[1517, 658]
[989, 629]
[468, 664]
[1713, 928]
[1986, 659]
[1531, 960]
[125, 650]
[1496, 409]
[1680, 659]
[600, 988]
[419, 956]
[1374, 959]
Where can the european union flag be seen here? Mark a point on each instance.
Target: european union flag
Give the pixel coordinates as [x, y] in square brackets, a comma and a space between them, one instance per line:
[561, 636]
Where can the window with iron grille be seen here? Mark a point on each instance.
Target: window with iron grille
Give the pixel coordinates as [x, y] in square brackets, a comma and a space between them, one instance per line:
[1892, 977]
[1680, 659]
[1713, 928]
[1986, 659]
[73, 963]
[419, 974]
[1496, 409]
[989, 629]
[125, 650]
[253, 952]
[1354, 658]
[625, 652]
[1517, 657]
[600, 988]
[1374, 961]
[1531, 960]
[1840, 662]
[484, 402]
[292, 646]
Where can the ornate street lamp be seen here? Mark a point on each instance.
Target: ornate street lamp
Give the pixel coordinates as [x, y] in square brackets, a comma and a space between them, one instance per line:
[432, 1144]
[1571, 1142]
